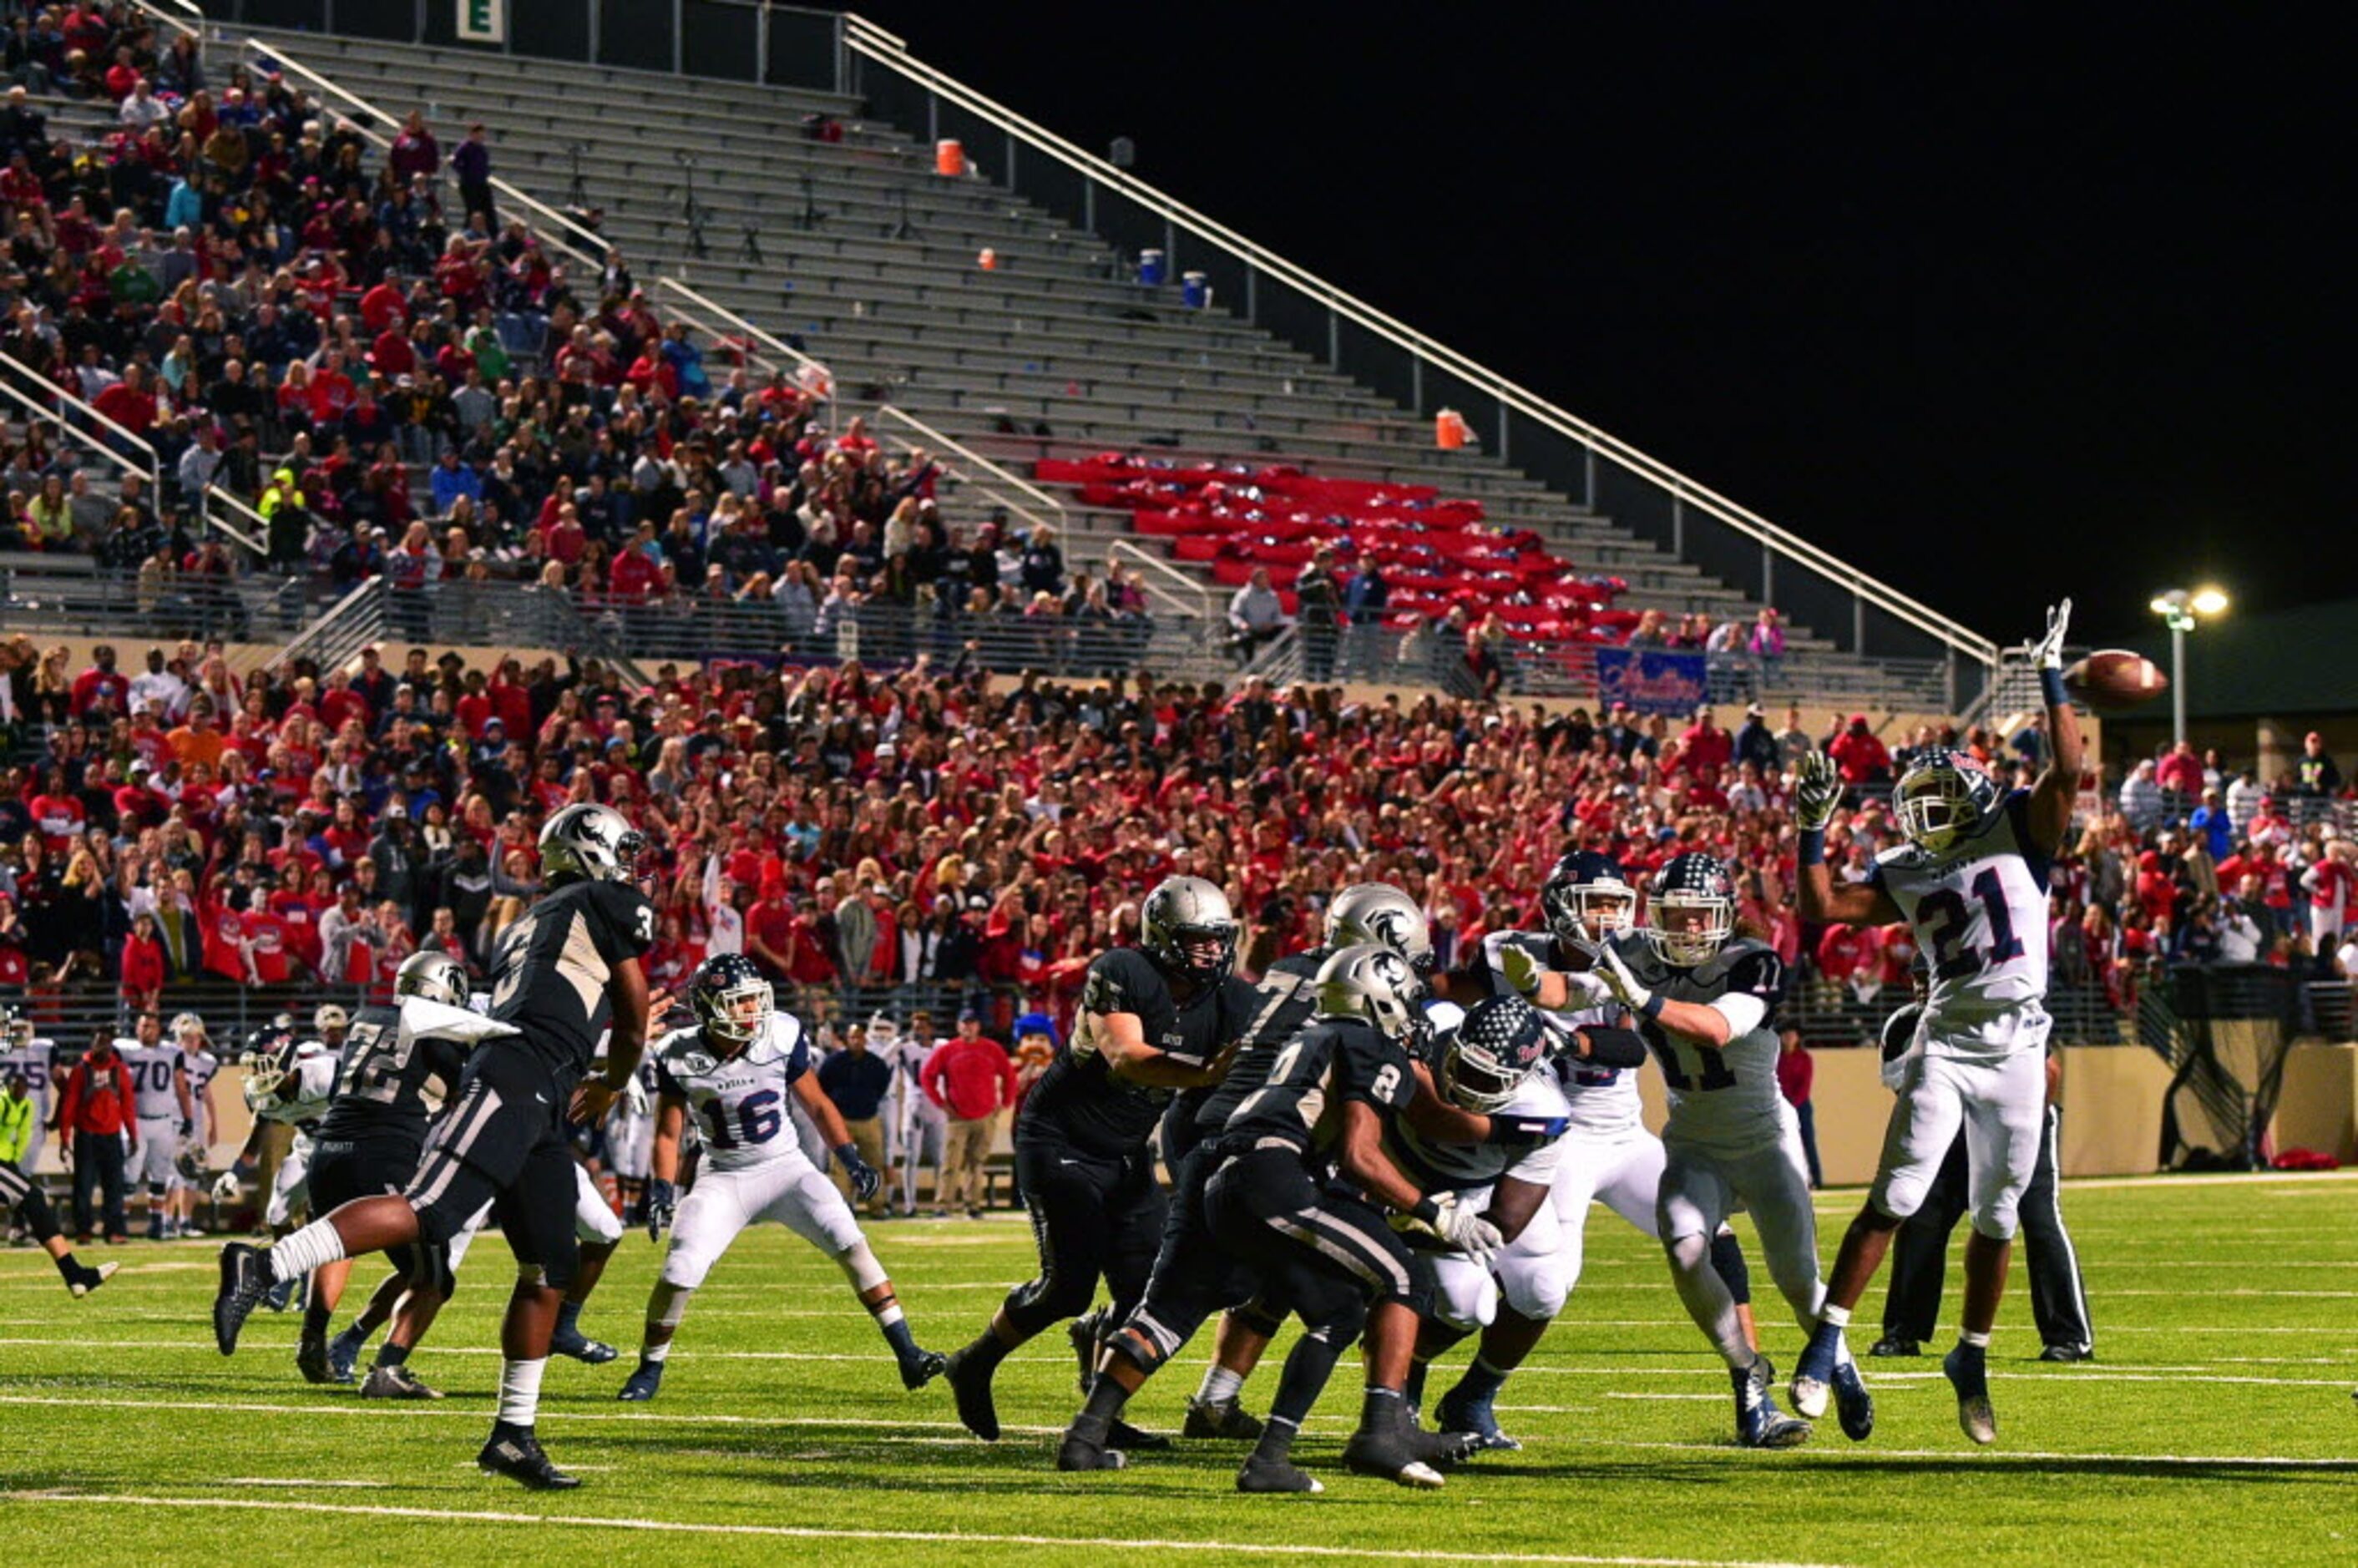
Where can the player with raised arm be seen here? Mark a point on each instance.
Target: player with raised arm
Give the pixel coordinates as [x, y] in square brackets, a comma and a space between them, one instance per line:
[1705, 1001]
[733, 1072]
[1971, 881]
[1607, 1155]
[1155, 1019]
[368, 1141]
[1330, 1255]
[567, 973]
[1195, 1273]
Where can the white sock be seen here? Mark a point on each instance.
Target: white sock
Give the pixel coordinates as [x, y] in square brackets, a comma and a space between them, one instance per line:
[1838, 1316]
[1219, 1383]
[1978, 1341]
[889, 1313]
[520, 1390]
[307, 1248]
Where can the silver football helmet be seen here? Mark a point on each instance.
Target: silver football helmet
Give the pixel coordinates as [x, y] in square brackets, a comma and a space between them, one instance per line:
[433, 977]
[1381, 914]
[1188, 928]
[1375, 986]
[586, 840]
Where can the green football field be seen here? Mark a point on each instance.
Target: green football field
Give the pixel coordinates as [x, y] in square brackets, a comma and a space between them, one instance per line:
[2217, 1426]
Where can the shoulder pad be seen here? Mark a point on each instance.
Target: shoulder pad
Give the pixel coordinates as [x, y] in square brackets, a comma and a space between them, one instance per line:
[778, 1040]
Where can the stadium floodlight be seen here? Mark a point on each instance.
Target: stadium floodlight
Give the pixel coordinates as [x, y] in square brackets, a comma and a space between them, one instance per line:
[2183, 609]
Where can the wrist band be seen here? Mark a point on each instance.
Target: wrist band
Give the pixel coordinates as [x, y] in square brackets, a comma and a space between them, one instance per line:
[1814, 846]
[1426, 1210]
[2050, 682]
[1651, 1007]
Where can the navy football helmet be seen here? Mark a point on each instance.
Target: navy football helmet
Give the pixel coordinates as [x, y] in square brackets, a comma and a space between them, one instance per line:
[1692, 911]
[1586, 899]
[732, 1000]
[1500, 1043]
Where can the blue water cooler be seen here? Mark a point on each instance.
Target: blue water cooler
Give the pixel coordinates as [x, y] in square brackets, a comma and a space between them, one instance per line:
[1153, 269]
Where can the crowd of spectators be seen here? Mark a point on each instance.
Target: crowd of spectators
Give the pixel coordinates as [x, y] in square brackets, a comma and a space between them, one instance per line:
[868, 838]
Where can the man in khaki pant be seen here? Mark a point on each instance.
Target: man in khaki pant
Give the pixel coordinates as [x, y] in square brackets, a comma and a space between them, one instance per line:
[972, 1079]
[857, 1080]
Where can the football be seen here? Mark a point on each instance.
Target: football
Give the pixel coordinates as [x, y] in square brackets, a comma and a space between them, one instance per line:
[2114, 679]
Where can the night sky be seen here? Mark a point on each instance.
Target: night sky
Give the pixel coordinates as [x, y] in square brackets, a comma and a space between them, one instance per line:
[1998, 301]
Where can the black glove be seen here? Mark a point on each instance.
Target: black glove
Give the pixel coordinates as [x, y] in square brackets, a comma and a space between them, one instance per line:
[188, 1127]
[658, 1206]
[857, 1171]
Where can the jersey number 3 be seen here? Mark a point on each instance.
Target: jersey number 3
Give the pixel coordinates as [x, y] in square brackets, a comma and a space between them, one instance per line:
[1947, 917]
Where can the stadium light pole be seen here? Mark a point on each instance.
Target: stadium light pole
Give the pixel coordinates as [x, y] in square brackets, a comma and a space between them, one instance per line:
[2183, 609]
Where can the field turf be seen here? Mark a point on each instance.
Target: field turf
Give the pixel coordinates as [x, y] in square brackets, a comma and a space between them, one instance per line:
[2217, 1427]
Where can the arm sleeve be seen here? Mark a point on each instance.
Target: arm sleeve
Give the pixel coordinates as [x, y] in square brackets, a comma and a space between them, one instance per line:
[1616, 1047]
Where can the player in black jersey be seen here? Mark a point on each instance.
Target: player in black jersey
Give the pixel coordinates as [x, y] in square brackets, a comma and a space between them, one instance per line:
[1294, 1160]
[568, 975]
[368, 1141]
[1195, 1273]
[1154, 1020]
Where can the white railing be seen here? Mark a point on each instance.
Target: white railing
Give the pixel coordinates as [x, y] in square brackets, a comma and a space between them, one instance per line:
[871, 43]
[254, 529]
[746, 332]
[1020, 496]
[153, 472]
[180, 16]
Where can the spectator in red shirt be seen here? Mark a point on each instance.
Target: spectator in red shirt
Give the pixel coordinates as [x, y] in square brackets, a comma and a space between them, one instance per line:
[129, 402]
[143, 965]
[1860, 753]
[101, 682]
[94, 1108]
[972, 1078]
[2180, 773]
[1703, 744]
[1797, 1072]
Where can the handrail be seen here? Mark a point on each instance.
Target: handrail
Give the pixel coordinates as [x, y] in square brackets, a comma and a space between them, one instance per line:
[548, 214]
[752, 332]
[164, 13]
[43, 411]
[253, 542]
[873, 43]
[1024, 486]
[155, 470]
[1204, 597]
[317, 633]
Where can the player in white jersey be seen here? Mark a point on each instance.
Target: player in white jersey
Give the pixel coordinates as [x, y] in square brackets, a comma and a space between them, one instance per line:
[631, 1138]
[1491, 1063]
[288, 1081]
[167, 1113]
[1706, 1002]
[916, 1130]
[733, 1072]
[26, 1055]
[198, 1059]
[1971, 881]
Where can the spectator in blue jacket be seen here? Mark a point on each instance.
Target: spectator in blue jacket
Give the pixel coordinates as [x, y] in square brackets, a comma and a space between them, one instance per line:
[2212, 820]
[453, 479]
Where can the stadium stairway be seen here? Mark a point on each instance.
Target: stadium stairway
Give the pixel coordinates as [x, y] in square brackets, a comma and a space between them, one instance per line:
[1055, 353]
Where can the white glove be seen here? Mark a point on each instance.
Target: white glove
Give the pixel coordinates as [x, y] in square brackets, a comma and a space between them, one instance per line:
[1620, 981]
[225, 1187]
[1817, 791]
[1466, 1230]
[2049, 653]
[1522, 971]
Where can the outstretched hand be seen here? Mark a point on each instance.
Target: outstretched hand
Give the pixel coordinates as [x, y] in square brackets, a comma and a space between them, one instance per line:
[2049, 653]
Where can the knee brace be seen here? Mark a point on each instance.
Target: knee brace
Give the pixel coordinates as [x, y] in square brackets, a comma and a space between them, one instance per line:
[1257, 1317]
[860, 1265]
[668, 1304]
[1143, 1343]
[1727, 1256]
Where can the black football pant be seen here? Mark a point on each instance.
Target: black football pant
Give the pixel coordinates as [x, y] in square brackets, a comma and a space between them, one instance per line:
[98, 1163]
[22, 1194]
[1195, 1274]
[1093, 1217]
[1919, 1255]
[344, 1170]
[502, 1140]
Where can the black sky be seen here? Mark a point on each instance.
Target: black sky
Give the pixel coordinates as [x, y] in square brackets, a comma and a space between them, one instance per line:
[2000, 302]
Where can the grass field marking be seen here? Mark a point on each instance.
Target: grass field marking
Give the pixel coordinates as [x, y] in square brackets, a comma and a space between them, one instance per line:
[2002, 1454]
[950, 1538]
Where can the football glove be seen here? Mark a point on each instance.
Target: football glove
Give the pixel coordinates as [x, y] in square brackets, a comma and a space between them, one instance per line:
[2048, 655]
[1817, 790]
[862, 1175]
[226, 1187]
[1464, 1230]
[1621, 982]
[658, 1206]
[1522, 971]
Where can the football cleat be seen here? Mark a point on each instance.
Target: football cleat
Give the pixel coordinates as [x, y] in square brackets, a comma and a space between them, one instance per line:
[2067, 1353]
[642, 1384]
[244, 1280]
[1759, 1422]
[1275, 1477]
[921, 1368]
[89, 1279]
[969, 1380]
[395, 1383]
[1892, 1344]
[1085, 1446]
[582, 1348]
[1459, 1412]
[1853, 1403]
[518, 1456]
[1393, 1454]
[1208, 1418]
[1083, 1332]
[1120, 1434]
[311, 1360]
[1968, 1368]
[1814, 1375]
[344, 1355]
[284, 1294]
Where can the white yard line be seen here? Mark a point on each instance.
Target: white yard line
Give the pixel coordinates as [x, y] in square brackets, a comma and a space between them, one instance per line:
[808, 1532]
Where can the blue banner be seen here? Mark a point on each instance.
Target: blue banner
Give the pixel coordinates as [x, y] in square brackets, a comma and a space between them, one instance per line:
[1652, 680]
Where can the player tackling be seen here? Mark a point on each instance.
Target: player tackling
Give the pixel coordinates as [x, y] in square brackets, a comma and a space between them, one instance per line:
[1971, 881]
